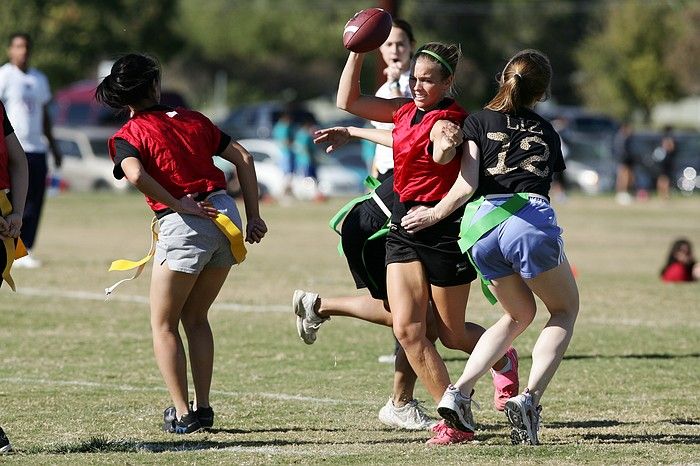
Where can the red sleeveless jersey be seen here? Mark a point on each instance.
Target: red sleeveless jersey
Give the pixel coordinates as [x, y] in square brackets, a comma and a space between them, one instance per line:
[4, 154]
[175, 148]
[416, 176]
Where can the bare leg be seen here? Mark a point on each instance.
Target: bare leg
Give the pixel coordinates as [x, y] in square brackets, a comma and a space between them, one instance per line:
[168, 294]
[199, 337]
[558, 291]
[360, 307]
[408, 298]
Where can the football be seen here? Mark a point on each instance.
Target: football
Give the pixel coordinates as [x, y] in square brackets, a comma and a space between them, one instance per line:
[367, 30]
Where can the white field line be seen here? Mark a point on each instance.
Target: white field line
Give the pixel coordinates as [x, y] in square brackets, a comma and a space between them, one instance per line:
[131, 388]
[90, 296]
[277, 308]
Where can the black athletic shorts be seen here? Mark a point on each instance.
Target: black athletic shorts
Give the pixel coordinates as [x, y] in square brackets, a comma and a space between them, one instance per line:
[435, 247]
[365, 258]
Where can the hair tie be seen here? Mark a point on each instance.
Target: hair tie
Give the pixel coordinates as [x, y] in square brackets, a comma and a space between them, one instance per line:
[518, 75]
[438, 58]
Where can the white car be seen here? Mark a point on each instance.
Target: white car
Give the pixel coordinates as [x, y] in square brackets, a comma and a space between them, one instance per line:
[86, 164]
[334, 179]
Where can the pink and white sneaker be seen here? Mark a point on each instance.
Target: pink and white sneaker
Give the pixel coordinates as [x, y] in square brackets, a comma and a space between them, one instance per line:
[446, 435]
[507, 384]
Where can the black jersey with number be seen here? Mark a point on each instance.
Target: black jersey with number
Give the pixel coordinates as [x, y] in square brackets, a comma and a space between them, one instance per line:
[519, 152]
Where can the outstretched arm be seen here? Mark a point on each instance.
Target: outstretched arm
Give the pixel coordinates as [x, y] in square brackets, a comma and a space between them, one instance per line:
[351, 99]
[340, 135]
[421, 217]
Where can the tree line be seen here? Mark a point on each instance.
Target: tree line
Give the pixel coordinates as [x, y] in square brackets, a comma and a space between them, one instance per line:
[616, 56]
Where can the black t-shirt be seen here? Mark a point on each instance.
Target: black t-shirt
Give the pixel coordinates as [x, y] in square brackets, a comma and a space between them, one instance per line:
[519, 153]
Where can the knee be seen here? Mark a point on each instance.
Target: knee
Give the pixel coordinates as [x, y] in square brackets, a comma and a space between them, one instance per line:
[452, 341]
[409, 335]
[192, 323]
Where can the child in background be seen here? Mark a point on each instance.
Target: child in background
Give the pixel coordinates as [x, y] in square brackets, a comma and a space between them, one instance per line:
[681, 265]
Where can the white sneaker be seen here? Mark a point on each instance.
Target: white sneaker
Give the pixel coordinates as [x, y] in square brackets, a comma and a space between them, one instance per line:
[623, 198]
[308, 322]
[27, 262]
[456, 409]
[411, 416]
[387, 358]
[525, 419]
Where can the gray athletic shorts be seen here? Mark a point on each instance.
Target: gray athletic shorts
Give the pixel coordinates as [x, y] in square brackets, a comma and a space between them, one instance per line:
[189, 243]
[527, 243]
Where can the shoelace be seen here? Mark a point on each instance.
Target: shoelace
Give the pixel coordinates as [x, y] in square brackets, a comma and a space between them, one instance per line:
[419, 414]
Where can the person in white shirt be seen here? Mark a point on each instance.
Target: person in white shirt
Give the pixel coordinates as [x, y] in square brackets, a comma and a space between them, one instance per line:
[26, 94]
[396, 52]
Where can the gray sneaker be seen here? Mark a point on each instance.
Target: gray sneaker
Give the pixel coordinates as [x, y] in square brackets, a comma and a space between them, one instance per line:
[5, 446]
[456, 409]
[524, 417]
[308, 322]
[410, 416]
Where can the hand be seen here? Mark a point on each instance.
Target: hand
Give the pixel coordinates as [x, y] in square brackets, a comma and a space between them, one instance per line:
[393, 72]
[201, 209]
[335, 137]
[14, 225]
[418, 218]
[4, 228]
[255, 230]
[57, 160]
[449, 137]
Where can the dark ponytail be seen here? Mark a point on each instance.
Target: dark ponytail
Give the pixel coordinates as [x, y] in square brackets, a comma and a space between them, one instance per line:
[131, 81]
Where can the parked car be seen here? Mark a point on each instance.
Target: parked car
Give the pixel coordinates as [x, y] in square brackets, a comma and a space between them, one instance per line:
[590, 164]
[75, 105]
[686, 164]
[333, 178]
[86, 164]
[256, 121]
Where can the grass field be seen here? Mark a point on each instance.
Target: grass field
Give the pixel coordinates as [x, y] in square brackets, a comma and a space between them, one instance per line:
[78, 382]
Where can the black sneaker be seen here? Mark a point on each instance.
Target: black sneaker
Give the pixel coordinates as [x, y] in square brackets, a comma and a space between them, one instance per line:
[205, 415]
[187, 424]
[5, 446]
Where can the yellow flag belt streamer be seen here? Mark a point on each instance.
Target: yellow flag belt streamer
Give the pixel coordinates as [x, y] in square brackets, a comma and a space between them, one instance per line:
[227, 227]
[14, 248]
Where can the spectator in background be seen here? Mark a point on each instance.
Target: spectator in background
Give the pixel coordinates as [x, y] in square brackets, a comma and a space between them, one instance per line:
[283, 134]
[305, 152]
[664, 155]
[26, 94]
[680, 265]
[625, 164]
[396, 52]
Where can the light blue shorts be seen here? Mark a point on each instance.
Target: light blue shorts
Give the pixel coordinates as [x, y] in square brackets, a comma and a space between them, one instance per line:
[188, 243]
[527, 243]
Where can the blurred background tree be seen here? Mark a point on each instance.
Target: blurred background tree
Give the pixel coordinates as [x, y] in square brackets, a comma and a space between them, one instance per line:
[623, 69]
[72, 36]
[619, 57]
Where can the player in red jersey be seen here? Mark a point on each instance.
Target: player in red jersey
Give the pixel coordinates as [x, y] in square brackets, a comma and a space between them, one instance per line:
[167, 153]
[428, 266]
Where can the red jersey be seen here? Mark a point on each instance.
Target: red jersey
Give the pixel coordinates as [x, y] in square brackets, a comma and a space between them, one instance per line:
[176, 148]
[4, 154]
[416, 176]
[678, 272]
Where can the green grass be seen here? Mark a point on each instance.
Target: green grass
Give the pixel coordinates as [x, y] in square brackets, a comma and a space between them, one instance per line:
[78, 382]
